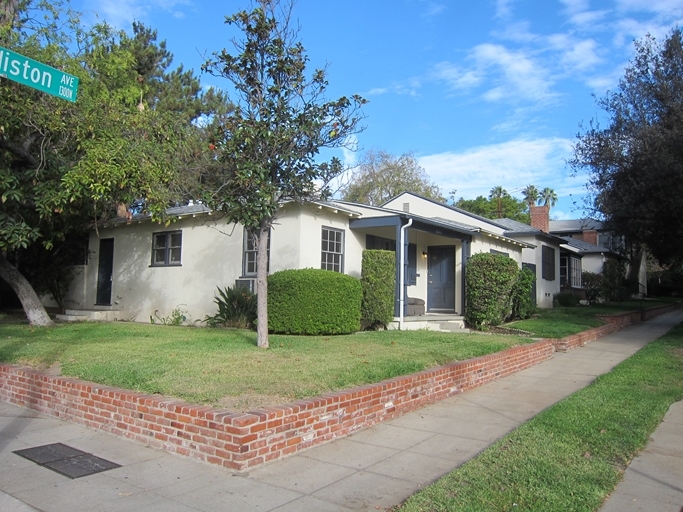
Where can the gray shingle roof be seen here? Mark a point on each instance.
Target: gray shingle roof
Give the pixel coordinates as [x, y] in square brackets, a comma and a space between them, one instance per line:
[575, 225]
[584, 247]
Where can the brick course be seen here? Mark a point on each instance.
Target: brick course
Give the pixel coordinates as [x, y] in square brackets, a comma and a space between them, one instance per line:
[242, 440]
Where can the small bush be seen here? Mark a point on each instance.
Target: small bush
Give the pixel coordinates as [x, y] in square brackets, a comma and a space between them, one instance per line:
[566, 299]
[523, 305]
[313, 302]
[593, 284]
[615, 287]
[236, 308]
[378, 283]
[490, 279]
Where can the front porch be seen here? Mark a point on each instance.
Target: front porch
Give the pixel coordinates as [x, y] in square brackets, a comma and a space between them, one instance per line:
[430, 322]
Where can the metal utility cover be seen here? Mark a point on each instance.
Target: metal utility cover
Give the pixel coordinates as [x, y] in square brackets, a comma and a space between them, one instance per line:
[66, 461]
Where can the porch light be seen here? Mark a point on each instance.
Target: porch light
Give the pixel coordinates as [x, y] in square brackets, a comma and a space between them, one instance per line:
[424, 254]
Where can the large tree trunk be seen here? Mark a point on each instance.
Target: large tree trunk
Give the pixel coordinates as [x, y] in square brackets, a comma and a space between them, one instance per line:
[8, 13]
[262, 285]
[34, 309]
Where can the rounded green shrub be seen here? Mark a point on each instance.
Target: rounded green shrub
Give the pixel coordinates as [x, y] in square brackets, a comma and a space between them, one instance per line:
[313, 302]
[489, 282]
[523, 304]
[378, 282]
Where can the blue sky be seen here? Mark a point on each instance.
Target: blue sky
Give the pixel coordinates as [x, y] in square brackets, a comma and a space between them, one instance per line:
[484, 92]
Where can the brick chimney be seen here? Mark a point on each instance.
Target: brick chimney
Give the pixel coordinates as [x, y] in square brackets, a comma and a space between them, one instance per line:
[540, 217]
[590, 236]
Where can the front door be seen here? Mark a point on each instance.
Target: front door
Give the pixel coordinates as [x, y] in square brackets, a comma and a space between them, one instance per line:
[441, 284]
[105, 272]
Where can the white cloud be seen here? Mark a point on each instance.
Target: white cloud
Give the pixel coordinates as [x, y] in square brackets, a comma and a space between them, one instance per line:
[661, 7]
[456, 77]
[519, 76]
[582, 56]
[121, 13]
[512, 165]
[433, 9]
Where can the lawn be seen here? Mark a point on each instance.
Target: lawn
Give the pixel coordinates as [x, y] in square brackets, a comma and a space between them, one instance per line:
[571, 456]
[224, 366]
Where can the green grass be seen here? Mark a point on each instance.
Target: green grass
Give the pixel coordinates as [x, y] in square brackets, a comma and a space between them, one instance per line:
[571, 456]
[560, 322]
[203, 365]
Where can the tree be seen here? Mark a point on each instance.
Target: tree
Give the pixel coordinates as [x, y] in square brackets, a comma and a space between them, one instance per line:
[65, 166]
[267, 146]
[548, 197]
[635, 163]
[510, 207]
[497, 194]
[530, 193]
[380, 176]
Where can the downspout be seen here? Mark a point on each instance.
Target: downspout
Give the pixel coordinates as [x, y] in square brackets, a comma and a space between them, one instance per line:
[402, 274]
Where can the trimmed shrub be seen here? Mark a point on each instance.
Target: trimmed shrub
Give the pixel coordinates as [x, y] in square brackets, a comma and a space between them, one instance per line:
[566, 299]
[314, 302]
[593, 284]
[236, 308]
[378, 283]
[490, 279]
[523, 305]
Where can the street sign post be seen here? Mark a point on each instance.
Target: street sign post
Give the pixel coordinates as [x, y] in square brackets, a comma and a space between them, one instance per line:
[35, 74]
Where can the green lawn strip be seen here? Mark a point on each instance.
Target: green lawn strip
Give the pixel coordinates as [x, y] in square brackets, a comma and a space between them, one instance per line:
[560, 322]
[571, 456]
[203, 365]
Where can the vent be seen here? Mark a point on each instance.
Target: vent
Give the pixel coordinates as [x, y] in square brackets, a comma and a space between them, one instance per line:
[406, 207]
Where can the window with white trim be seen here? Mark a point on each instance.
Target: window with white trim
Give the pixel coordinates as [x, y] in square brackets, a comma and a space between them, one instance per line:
[332, 249]
[250, 252]
[166, 248]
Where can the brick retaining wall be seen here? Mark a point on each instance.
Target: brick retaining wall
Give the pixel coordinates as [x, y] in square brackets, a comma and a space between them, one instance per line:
[243, 440]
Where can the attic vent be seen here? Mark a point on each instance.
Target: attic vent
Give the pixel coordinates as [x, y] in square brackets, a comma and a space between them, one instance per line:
[406, 207]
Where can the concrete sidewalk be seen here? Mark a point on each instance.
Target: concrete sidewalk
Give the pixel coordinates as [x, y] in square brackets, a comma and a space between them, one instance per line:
[653, 481]
[371, 470]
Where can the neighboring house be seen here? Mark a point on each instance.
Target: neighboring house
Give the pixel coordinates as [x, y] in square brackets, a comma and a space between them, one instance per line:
[140, 269]
[596, 244]
[543, 258]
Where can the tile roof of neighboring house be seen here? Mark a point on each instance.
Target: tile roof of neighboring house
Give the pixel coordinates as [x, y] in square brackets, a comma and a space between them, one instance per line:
[575, 225]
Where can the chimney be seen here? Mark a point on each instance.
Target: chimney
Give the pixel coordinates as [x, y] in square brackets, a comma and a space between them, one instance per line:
[590, 236]
[540, 217]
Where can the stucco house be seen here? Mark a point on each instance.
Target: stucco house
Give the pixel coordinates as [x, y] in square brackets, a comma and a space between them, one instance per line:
[139, 269]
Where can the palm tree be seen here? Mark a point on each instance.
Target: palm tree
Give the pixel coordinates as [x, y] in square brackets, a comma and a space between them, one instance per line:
[530, 193]
[549, 197]
[498, 193]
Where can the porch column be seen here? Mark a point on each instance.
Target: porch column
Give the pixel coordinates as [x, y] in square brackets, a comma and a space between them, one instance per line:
[466, 253]
[399, 260]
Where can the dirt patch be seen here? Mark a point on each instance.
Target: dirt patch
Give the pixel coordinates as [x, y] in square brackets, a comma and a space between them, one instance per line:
[499, 329]
[250, 401]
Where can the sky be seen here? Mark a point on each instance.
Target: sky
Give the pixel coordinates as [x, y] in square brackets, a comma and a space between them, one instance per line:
[484, 93]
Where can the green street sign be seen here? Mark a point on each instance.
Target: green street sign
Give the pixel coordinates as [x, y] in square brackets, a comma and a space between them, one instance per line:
[35, 74]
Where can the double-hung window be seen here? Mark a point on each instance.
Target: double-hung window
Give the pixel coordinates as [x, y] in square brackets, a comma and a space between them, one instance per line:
[332, 250]
[166, 248]
[250, 254]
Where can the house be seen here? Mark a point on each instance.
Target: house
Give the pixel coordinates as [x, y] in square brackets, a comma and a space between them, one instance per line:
[140, 270]
[596, 244]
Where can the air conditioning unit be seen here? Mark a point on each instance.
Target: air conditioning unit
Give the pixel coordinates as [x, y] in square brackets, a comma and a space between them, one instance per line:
[249, 284]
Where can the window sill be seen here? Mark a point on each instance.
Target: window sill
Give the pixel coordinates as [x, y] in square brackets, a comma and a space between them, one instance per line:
[166, 266]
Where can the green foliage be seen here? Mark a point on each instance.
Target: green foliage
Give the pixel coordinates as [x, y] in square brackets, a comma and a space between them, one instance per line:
[175, 318]
[593, 285]
[313, 301]
[635, 162]
[236, 308]
[615, 287]
[490, 282]
[381, 176]
[523, 305]
[378, 283]
[566, 299]
[495, 207]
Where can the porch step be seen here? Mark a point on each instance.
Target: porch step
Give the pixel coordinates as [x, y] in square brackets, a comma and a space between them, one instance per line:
[439, 323]
[82, 315]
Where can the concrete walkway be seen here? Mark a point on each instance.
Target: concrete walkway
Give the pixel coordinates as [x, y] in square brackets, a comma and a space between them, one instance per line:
[371, 470]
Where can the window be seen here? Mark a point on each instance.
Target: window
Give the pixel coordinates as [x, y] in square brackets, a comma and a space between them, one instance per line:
[548, 263]
[493, 251]
[332, 250]
[575, 272]
[166, 248]
[249, 255]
